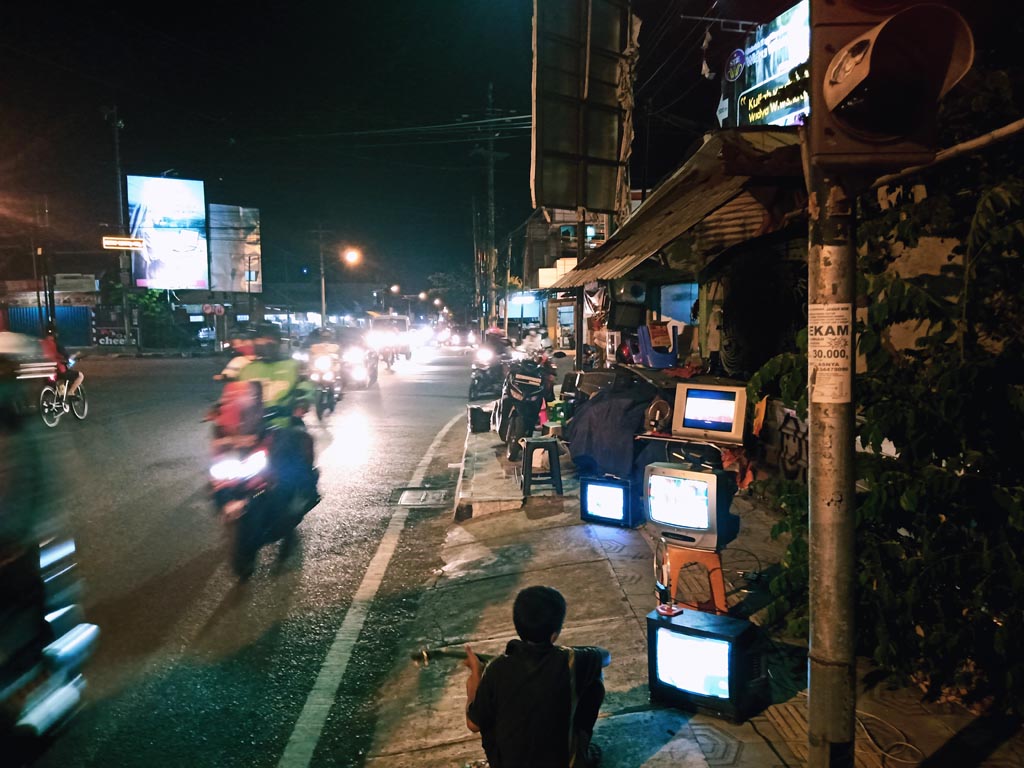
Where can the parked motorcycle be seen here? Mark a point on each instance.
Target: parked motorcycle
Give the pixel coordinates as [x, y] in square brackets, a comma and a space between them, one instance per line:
[260, 481]
[528, 384]
[325, 374]
[488, 372]
[54, 400]
[44, 643]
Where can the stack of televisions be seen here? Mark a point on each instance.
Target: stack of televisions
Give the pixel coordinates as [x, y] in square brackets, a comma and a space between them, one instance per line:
[697, 659]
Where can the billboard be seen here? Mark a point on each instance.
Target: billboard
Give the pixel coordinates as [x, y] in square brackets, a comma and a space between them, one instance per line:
[169, 215]
[235, 249]
[756, 76]
[580, 124]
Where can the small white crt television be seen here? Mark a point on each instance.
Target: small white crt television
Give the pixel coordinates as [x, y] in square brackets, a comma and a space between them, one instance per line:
[712, 413]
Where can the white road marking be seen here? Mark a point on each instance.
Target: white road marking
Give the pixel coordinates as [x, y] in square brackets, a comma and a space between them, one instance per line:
[306, 735]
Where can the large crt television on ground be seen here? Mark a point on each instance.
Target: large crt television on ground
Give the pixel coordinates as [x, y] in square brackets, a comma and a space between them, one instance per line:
[689, 506]
[713, 413]
[608, 500]
[707, 663]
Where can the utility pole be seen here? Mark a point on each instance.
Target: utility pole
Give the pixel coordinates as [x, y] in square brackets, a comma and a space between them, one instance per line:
[832, 507]
[477, 267]
[124, 258]
[492, 249]
[323, 278]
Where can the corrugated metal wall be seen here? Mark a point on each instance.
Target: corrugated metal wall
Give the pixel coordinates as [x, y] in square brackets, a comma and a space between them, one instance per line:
[74, 324]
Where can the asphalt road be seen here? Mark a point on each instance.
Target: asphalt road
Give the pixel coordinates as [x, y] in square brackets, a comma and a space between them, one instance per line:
[194, 669]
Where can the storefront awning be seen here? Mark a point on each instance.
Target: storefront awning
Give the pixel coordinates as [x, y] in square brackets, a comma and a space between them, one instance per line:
[716, 182]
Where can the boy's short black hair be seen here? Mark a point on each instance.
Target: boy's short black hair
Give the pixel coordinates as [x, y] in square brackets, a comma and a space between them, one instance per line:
[538, 613]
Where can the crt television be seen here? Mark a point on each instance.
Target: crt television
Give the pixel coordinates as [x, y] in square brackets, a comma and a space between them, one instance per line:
[689, 506]
[626, 317]
[608, 500]
[707, 663]
[713, 413]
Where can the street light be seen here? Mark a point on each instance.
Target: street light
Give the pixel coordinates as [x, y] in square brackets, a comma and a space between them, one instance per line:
[351, 256]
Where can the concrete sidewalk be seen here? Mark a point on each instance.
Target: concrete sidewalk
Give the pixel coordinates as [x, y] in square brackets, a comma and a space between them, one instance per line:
[499, 543]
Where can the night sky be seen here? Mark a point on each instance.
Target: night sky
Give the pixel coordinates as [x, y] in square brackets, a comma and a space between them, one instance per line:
[318, 113]
[291, 107]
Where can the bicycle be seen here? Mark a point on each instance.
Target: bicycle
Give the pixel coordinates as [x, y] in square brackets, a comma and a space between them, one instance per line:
[54, 402]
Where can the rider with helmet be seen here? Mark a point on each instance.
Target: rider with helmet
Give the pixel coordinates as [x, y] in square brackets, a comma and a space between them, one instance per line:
[286, 396]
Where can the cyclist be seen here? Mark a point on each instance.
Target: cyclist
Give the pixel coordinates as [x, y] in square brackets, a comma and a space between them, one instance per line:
[54, 351]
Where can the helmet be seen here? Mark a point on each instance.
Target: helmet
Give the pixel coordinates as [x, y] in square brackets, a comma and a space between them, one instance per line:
[266, 339]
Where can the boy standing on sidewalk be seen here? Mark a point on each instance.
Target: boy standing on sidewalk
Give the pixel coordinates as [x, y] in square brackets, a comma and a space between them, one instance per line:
[536, 704]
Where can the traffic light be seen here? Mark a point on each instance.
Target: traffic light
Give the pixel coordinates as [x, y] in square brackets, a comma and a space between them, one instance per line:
[878, 70]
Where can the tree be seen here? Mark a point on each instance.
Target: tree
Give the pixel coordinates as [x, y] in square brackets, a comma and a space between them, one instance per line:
[941, 522]
[456, 290]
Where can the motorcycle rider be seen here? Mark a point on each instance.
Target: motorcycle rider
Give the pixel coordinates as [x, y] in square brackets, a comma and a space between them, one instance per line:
[287, 396]
[23, 481]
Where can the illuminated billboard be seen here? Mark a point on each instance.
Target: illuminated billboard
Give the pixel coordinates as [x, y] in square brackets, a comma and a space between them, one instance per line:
[169, 215]
[756, 76]
[235, 249]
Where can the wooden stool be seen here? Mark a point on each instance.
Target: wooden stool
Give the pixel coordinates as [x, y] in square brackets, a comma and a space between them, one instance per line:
[553, 476]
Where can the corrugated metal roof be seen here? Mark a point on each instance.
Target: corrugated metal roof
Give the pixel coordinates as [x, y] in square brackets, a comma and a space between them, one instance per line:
[706, 194]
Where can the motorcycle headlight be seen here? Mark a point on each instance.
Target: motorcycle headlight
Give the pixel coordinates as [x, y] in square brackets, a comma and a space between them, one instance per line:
[323, 363]
[329, 376]
[354, 355]
[484, 356]
[235, 468]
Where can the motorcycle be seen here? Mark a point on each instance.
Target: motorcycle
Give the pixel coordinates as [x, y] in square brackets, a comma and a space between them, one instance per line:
[261, 483]
[325, 374]
[527, 386]
[54, 400]
[44, 644]
[487, 372]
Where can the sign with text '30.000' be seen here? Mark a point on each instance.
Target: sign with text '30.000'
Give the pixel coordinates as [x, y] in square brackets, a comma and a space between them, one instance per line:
[830, 353]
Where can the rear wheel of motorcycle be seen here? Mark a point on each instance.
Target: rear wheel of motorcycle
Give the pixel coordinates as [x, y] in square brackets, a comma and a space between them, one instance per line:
[79, 404]
[48, 408]
[514, 450]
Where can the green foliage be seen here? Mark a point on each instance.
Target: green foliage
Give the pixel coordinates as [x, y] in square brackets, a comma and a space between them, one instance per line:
[940, 525]
[455, 289]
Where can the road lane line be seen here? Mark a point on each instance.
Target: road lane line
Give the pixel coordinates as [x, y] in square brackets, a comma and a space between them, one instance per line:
[306, 735]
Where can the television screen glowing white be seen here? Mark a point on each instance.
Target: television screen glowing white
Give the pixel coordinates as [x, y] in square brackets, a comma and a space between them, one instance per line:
[606, 500]
[169, 216]
[693, 664]
[689, 506]
[714, 413]
[708, 663]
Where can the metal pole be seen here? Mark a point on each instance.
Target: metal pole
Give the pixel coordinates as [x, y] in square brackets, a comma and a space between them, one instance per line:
[508, 280]
[832, 509]
[492, 246]
[323, 282]
[124, 257]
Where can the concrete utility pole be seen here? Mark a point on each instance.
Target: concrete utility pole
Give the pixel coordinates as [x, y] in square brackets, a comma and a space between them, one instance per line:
[832, 509]
[323, 278]
[124, 258]
[491, 245]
